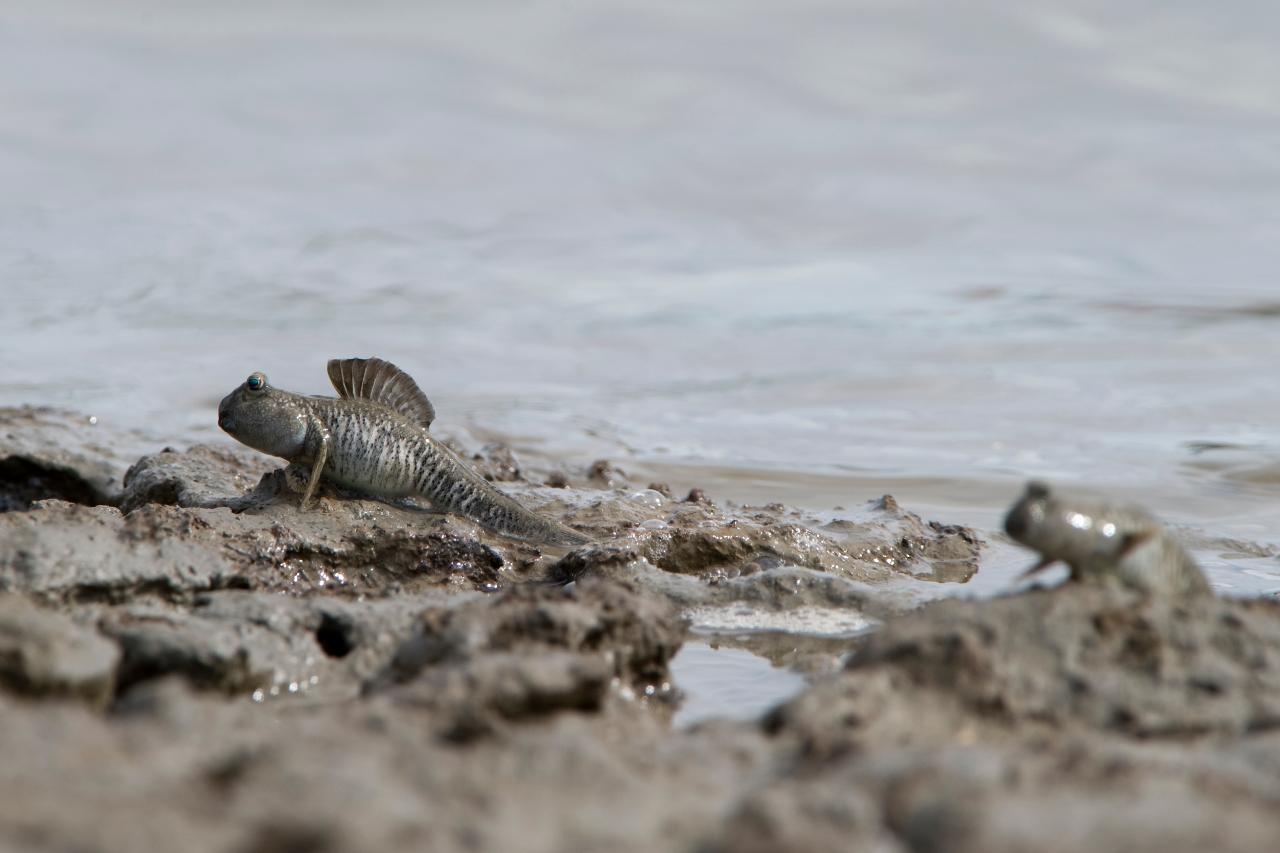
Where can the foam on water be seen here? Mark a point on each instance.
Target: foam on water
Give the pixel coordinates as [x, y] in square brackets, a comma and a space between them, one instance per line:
[806, 621]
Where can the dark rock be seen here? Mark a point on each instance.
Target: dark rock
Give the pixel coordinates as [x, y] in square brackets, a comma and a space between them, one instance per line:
[51, 454]
[557, 480]
[497, 462]
[602, 473]
[662, 489]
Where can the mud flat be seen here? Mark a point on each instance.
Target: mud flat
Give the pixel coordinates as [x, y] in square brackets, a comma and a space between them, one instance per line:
[189, 662]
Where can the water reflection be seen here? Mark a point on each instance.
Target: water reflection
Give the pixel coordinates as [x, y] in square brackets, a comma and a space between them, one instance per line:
[725, 683]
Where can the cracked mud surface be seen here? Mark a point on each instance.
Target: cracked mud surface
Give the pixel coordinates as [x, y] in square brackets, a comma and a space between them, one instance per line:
[189, 662]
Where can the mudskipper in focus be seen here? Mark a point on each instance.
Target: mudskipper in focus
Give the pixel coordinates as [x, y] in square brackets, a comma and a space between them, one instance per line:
[373, 438]
[1102, 542]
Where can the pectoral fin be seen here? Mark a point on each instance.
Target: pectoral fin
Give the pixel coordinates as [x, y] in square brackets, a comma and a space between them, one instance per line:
[1038, 567]
[381, 382]
[1133, 540]
[317, 464]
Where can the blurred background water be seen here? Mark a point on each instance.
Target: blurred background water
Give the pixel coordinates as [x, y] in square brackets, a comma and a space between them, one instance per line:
[809, 252]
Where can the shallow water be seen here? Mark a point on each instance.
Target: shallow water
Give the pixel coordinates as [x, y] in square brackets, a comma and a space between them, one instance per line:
[725, 683]
[811, 253]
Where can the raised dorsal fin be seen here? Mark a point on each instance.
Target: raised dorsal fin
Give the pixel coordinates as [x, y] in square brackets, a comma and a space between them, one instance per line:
[381, 382]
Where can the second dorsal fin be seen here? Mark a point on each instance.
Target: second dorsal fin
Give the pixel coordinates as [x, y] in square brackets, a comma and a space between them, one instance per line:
[381, 382]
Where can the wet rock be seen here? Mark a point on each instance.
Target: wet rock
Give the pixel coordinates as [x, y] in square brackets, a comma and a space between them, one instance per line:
[734, 544]
[48, 453]
[345, 547]
[46, 654]
[203, 476]
[709, 544]
[714, 543]
[895, 537]
[187, 531]
[99, 554]
[696, 496]
[602, 560]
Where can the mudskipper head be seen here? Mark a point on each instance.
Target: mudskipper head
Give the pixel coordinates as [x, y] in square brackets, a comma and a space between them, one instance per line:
[1026, 517]
[264, 418]
[1084, 534]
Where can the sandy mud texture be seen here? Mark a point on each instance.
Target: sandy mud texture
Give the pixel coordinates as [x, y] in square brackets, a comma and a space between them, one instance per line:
[188, 662]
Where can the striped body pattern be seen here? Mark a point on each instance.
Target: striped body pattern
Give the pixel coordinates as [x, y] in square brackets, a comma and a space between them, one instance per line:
[391, 457]
[375, 439]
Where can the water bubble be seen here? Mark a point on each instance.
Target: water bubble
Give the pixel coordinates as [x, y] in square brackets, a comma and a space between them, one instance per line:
[647, 497]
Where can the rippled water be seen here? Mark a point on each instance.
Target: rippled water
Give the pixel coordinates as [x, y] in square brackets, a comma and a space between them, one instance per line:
[810, 252]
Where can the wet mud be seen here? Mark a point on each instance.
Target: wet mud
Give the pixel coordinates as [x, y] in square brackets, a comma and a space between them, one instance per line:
[187, 661]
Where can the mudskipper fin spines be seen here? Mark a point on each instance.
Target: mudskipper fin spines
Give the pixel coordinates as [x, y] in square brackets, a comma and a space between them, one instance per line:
[381, 382]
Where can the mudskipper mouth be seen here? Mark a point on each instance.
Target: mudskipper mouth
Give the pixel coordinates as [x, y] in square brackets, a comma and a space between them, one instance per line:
[1015, 523]
[227, 422]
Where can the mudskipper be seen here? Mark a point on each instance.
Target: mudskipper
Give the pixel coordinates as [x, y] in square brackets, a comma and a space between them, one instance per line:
[374, 438]
[1103, 542]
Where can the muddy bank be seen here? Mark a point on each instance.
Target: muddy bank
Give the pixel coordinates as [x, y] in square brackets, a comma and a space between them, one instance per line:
[1068, 719]
[186, 660]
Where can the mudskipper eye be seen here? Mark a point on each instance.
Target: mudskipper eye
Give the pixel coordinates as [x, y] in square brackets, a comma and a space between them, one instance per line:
[256, 382]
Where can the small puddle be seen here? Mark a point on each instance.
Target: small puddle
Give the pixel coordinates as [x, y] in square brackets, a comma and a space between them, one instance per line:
[725, 683]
